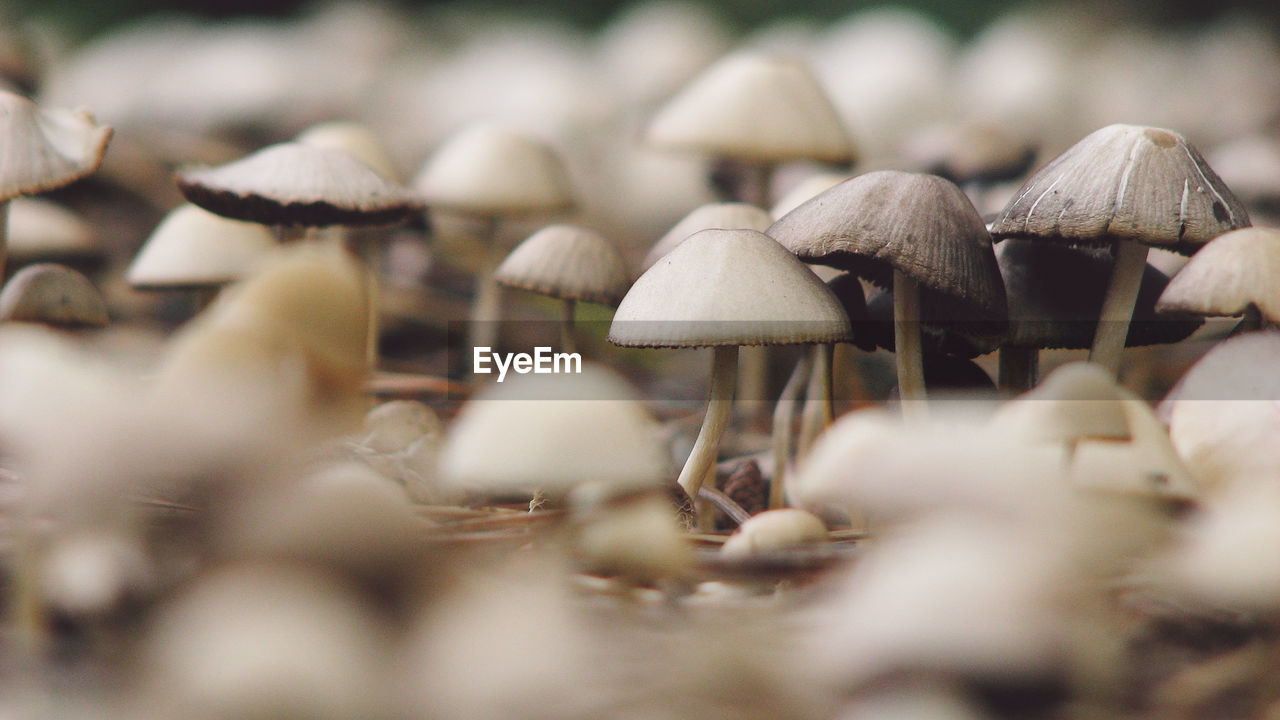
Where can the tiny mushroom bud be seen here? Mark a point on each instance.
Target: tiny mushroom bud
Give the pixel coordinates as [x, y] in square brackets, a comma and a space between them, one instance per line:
[775, 530]
[53, 295]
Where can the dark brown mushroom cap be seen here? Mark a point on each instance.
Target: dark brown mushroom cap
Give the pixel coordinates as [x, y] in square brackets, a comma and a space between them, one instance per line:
[921, 225]
[1055, 297]
[52, 294]
[297, 184]
[42, 149]
[1124, 182]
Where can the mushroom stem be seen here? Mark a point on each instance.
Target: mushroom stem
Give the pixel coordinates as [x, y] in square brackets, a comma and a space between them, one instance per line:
[724, 371]
[487, 303]
[1019, 367]
[908, 349]
[1252, 319]
[4, 238]
[567, 343]
[817, 405]
[1117, 305]
[782, 413]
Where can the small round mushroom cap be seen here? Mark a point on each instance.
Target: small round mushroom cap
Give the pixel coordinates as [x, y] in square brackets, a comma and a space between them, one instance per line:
[491, 171]
[728, 287]
[567, 262]
[553, 432]
[53, 295]
[355, 139]
[921, 225]
[41, 230]
[1230, 273]
[757, 107]
[775, 530]
[727, 216]
[805, 190]
[46, 149]
[193, 248]
[298, 184]
[1124, 182]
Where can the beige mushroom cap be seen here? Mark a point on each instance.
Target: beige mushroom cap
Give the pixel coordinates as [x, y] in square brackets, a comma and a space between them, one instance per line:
[298, 184]
[491, 171]
[1127, 182]
[728, 287]
[1226, 276]
[53, 295]
[726, 215]
[1075, 401]
[355, 139]
[568, 262]
[45, 149]
[775, 530]
[40, 230]
[192, 247]
[755, 107]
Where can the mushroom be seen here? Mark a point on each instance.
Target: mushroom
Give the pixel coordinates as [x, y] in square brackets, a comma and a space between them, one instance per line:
[723, 289]
[727, 215]
[775, 530]
[1234, 274]
[570, 263]
[53, 295]
[41, 230]
[1127, 187]
[912, 230]
[44, 150]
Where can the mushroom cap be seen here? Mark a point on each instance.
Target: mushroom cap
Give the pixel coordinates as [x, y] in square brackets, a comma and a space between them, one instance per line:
[567, 262]
[1124, 182]
[806, 189]
[42, 230]
[1077, 400]
[921, 225]
[553, 432]
[756, 107]
[491, 171]
[194, 248]
[355, 139]
[1055, 297]
[775, 530]
[728, 287]
[53, 295]
[726, 215]
[1233, 271]
[45, 149]
[293, 183]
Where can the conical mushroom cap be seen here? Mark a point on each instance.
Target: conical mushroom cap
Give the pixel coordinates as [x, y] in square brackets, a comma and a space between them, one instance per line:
[356, 140]
[53, 295]
[728, 287]
[296, 184]
[921, 225]
[568, 262]
[40, 229]
[491, 171]
[45, 149]
[726, 215]
[1230, 273]
[753, 107]
[194, 248]
[1124, 182]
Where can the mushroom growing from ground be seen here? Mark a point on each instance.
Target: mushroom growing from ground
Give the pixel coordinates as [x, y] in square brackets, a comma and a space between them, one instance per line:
[1126, 187]
[1234, 274]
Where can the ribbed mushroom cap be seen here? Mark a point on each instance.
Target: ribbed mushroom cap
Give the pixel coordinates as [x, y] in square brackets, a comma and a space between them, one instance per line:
[1230, 273]
[726, 215]
[921, 225]
[53, 295]
[356, 140]
[568, 262]
[754, 107]
[728, 287]
[491, 171]
[1055, 297]
[193, 248]
[553, 432]
[40, 230]
[1124, 182]
[45, 149]
[296, 184]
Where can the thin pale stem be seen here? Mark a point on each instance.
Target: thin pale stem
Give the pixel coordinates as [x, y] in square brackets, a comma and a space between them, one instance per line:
[567, 342]
[724, 371]
[908, 347]
[782, 414]
[4, 238]
[486, 307]
[1019, 367]
[817, 403]
[1117, 305]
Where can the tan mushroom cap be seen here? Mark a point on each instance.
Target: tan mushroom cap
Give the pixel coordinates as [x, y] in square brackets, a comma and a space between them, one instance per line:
[754, 106]
[1125, 182]
[553, 432]
[40, 229]
[805, 190]
[726, 215]
[1230, 273]
[491, 171]
[728, 287]
[45, 149]
[567, 262]
[355, 139]
[775, 530]
[53, 295]
[297, 184]
[1075, 401]
[193, 248]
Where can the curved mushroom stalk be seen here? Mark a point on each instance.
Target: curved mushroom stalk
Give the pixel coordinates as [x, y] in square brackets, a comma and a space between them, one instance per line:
[782, 414]
[908, 352]
[817, 414]
[724, 373]
[1117, 305]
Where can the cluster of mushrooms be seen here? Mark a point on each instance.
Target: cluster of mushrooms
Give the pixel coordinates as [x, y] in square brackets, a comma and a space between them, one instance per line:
[252, 466]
